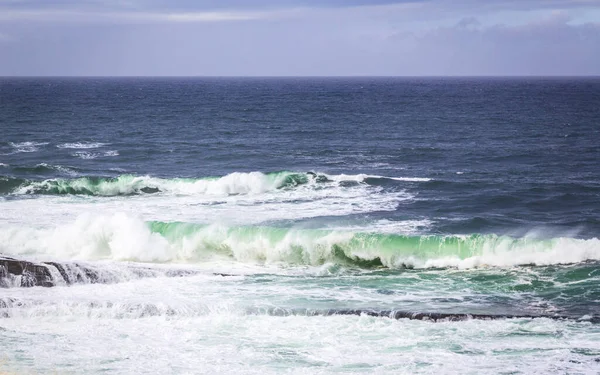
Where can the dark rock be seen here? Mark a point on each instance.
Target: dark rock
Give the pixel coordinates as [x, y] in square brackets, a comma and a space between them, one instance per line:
[15, 272]
[426, 316]
[92, 275]
[150, 190]
[6, 303]
[21, 273]
[61, 270]
[180, 273]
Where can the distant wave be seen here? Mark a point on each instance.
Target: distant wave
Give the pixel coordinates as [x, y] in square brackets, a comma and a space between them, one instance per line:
[27, 146]
[410, 179]
[236, 183]
[81, 145]
[93, 155]
[232, 184]
[127, 238]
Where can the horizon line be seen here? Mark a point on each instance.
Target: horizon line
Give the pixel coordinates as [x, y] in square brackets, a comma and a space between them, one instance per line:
[305, 76]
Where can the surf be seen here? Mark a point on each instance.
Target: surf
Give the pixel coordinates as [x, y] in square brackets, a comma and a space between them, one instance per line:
[126, 237]
[237, 183]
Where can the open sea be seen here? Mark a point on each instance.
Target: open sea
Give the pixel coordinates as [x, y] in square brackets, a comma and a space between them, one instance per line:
[302, 225]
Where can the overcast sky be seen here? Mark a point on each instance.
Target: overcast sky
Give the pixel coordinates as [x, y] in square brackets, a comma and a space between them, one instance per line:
[299, 37]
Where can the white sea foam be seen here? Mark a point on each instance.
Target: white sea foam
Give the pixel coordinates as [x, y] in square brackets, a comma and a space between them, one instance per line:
[237, 183]
[561, 251]
[411, 179]
[87, 155]
[237, 199]
[408, 227]
[363, 177]
[27, 146]
[232, 184]
[119, 237]
[122, 237]
[294, 204]
[157, 326]
[81, 145]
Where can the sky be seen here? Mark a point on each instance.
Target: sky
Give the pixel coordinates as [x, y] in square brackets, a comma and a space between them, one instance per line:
[299, 37]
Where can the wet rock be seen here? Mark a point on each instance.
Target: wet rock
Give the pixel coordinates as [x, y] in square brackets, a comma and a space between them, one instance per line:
[14, 272]
[425, 316]
[60, 269]
[223, 274]
[22, 273]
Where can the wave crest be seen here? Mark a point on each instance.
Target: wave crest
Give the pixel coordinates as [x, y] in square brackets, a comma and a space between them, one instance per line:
[236, 183]
[232, 184]
[125, 237]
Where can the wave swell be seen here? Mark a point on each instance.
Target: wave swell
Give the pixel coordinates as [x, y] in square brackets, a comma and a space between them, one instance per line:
[124, 237]
[232, 184]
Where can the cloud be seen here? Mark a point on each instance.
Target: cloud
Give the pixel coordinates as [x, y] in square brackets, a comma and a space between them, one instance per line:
[136, 11]
[79, 17]
[205, 5]
[157, 11]
[435, 37]
[548, 46]
[188, 5]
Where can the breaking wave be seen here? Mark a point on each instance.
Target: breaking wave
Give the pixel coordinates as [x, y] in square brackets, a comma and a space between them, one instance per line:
[232, 184]
[124, 237]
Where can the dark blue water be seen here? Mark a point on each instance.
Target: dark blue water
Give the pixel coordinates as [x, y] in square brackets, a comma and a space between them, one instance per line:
[504, 155]
[287, 203]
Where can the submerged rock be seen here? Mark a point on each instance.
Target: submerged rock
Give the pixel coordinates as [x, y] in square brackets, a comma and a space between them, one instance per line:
[413, 315]
[22, 273]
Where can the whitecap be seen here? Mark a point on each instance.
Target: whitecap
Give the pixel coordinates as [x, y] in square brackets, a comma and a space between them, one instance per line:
[27, 146]
[87, 155]
[81, 145]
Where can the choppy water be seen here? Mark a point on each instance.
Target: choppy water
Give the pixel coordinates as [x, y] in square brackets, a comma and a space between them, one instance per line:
[312, 196]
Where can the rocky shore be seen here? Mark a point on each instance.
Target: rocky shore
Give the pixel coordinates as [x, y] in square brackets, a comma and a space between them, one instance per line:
[25, 273]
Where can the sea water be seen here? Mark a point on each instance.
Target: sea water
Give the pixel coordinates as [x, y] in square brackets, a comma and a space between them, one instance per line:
[280, 225]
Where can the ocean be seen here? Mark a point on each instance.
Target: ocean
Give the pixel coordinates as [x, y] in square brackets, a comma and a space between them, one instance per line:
[301, 225]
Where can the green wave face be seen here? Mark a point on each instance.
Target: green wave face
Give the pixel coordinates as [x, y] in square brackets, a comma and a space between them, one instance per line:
[232, 184]
[122, 185]
[367, 250]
